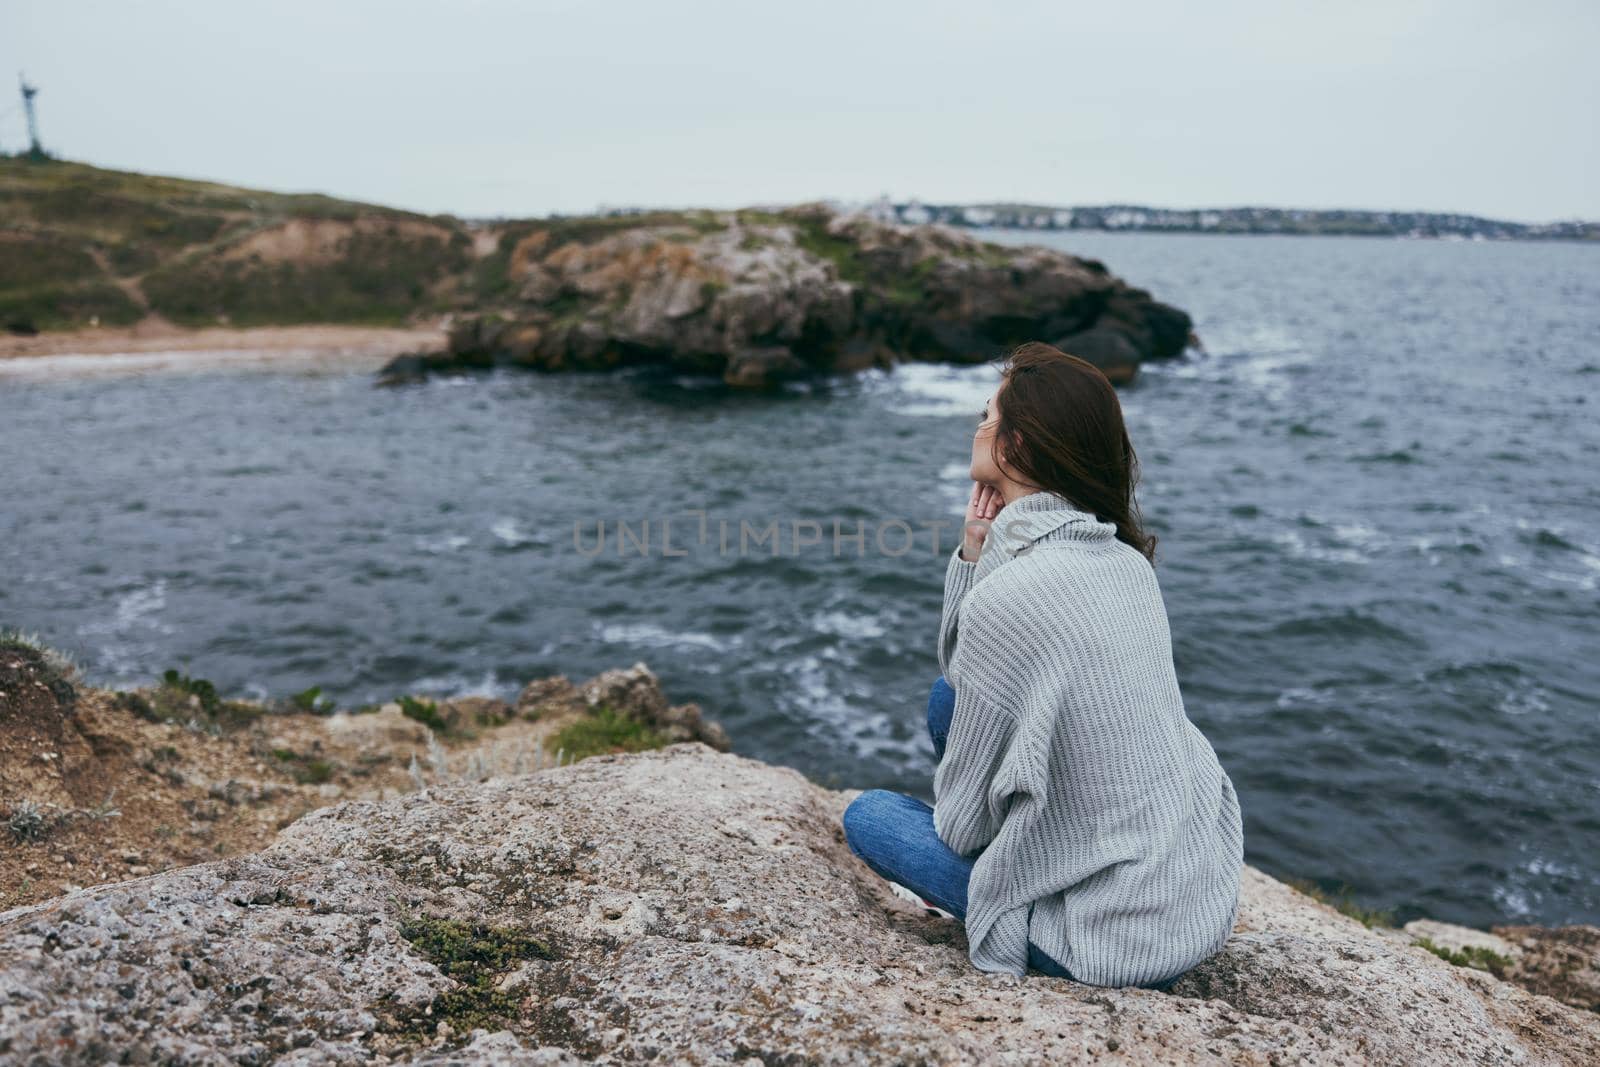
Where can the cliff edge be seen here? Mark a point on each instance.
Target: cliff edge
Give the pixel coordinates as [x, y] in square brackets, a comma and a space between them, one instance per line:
[685, 905]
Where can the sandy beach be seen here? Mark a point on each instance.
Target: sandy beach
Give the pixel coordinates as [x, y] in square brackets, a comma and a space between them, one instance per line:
[154, 345]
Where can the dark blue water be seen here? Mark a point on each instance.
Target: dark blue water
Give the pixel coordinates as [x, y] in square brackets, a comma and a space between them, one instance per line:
[1376, 498]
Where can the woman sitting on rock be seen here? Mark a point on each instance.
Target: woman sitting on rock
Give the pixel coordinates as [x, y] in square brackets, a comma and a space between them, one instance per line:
[1081, 824]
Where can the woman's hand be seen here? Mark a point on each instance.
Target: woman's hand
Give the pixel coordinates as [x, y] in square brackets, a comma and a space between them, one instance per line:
[984, 505]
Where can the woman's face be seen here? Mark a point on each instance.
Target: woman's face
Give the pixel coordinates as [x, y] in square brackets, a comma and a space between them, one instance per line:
[984, 470]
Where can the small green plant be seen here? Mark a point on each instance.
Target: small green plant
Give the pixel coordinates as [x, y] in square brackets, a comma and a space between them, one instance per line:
[475, 956]
[605, 730]
[28, 822]
[307, 701]
[1474, 956]
[103, 810]
[313, 772]
[813, 236]
[196, 687]
[1344, 903]
[136, 705]
[424, 711]
[174, 701]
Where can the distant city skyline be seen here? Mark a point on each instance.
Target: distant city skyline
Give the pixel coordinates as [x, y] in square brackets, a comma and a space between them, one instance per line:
[492, 108]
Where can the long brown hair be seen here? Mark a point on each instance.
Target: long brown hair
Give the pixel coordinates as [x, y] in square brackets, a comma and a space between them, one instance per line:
[1062, 424]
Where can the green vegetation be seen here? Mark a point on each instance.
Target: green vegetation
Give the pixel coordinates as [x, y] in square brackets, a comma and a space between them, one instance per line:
[136, 705]
[70, 233]
[210, 703]
[31, 823]
[1343, 903]
[28, 822]
[475, 956]
[985, 253]
[910, 288]
[757, 217]
[376, 278]
[307, 701]
[180, 697]
[812, 235]
[1474, 956]
[37, 259]
[65, 305]
[306, 770]
[424, 711]
[604, 730]
[587, 229]
[80, 245]
[313, 772]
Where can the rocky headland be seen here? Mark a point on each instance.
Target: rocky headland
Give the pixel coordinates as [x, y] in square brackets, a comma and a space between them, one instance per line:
[753, 296]
[437, 900]
[757, 297]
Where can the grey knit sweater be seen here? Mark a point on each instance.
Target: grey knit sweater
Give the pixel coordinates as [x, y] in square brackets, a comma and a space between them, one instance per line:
[1110, 834]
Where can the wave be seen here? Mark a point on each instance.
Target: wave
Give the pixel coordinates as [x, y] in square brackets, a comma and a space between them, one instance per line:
[649, 635]
[934, 389]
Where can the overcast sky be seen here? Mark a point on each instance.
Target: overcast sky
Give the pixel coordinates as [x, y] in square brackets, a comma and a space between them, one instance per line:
[485, 107]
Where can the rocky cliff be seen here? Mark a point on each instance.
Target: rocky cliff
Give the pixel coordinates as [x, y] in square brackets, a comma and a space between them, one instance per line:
[760, 296]
[98, 785]
[676, 904]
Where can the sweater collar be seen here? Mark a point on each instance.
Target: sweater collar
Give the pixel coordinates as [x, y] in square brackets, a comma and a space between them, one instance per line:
[1043, 517]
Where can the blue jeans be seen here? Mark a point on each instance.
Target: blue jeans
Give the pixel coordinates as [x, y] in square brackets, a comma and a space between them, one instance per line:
[893, 834]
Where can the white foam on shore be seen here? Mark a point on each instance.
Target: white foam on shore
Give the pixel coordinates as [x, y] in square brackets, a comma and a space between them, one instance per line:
[459, 685]
[137, 610]
[934, 389]
[650, 635]
[848, 625]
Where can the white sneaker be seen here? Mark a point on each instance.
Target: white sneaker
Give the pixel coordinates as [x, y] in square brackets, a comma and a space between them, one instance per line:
[905, 894]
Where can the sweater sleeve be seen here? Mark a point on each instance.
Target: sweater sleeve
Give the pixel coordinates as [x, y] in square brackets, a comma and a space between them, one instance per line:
[958, 578]
[972, 786]
[1001, 685]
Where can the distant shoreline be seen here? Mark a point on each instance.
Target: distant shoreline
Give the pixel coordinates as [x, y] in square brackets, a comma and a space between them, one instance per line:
[1252, 221]
[1445, 239]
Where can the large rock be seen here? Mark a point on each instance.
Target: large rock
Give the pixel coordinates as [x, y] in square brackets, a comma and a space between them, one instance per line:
[759, 297]
[680, 906]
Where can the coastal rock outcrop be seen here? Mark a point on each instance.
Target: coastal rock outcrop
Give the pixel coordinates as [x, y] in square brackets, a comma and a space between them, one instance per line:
[762, 296]
[678, 905]
[98, 785]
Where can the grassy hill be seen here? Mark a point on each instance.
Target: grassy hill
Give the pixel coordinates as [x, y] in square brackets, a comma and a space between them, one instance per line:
[79, 244]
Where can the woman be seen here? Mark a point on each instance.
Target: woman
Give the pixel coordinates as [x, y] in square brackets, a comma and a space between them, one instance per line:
[1081, 824]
